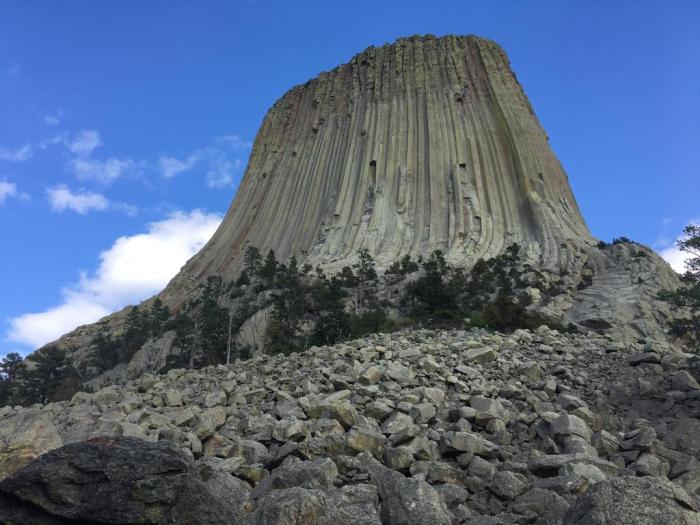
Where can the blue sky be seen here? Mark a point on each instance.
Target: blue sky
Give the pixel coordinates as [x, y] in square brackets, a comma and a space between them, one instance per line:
[125, 126]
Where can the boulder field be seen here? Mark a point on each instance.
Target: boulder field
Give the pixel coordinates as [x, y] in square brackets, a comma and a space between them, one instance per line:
[424, 427]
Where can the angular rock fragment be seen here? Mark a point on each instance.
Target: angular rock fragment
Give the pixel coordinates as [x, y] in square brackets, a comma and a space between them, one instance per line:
[633, 501]
[405, 501]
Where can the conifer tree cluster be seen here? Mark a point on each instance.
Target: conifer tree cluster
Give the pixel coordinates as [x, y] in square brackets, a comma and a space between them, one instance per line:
[49, 376]
[141, 325]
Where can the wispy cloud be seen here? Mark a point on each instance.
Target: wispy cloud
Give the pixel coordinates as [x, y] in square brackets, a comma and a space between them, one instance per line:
[102, 171]
[17, 155]
[51, 141]
[133, 269]
[8, 190]
[61, 198]
[170, 166]
[85, 142]
[222, 161]
[53, 119]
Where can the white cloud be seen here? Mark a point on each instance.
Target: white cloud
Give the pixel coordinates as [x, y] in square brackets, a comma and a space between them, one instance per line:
[129, 209]
[674, 256]
[85, 142]
[17, 155]
[51, 141]
[102, 171]
[35, 330]
[9, 190]
[61, 199]
[170, 166]
[133, 269]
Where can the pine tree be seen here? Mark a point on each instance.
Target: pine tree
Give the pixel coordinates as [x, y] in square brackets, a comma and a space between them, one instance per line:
[212, 323]
[408, 265]
[347, 278]
[429, 295]
[11, 369]
[252, 260]
[478, 287]
[158, 317]
[288, 310]
[269, 269]
[243, 279]
[404, 266]
[183, 325]
[134, 319]
[106, 355]
[136, 334]
[332, 323]
[53, 377]
[366, 275]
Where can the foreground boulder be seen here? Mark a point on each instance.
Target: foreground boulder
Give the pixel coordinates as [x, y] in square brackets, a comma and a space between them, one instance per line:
[111, 480]
[633, 501]
[405, 500]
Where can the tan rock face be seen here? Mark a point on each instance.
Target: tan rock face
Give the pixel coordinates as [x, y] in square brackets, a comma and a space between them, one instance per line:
[23, 438]
[423, 144]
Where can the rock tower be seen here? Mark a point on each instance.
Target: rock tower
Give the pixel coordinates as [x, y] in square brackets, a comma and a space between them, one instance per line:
[427, 143]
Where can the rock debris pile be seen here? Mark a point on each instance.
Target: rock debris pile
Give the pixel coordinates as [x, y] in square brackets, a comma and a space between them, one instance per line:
[433, 427]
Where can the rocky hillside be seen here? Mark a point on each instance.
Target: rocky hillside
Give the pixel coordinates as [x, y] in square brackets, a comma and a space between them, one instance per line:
[425, 427]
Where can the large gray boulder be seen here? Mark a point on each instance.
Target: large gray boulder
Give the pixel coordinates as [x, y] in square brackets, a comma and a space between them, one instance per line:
[115, 480]
[405, 501]
[317, 474]
[633, 501]
[289, 506]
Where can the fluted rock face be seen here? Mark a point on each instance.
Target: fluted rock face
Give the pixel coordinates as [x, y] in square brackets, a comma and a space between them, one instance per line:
[423, 144]
[427, 143]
